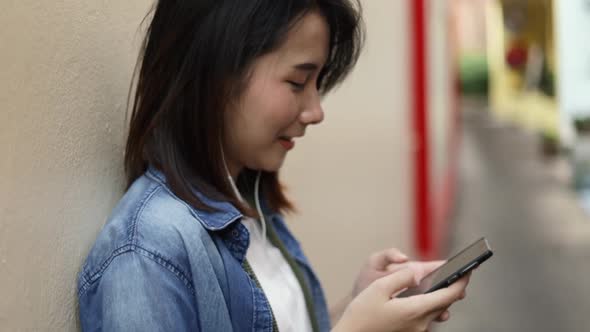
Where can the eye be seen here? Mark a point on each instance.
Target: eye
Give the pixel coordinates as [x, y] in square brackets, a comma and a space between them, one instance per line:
[296, 85]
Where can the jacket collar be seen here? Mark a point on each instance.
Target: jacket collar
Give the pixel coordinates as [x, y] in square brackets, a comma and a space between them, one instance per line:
[224, 215]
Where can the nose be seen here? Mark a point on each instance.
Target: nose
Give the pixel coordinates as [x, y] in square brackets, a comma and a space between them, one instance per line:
[312, 112]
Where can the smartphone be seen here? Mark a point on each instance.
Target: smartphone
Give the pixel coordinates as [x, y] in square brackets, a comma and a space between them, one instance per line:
[455, 268]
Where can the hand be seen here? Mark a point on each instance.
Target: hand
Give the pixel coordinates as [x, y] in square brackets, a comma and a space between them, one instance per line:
[374, 309]
[422, 269]
[388, 261]
[377, 266]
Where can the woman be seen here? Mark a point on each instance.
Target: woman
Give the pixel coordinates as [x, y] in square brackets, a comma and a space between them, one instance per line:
[198, 242]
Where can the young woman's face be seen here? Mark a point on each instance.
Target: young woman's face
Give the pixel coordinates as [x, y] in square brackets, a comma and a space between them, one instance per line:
[280, 100]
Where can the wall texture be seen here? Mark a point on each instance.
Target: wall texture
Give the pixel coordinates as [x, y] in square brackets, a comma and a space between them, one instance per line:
[65, 67]
[351, 176]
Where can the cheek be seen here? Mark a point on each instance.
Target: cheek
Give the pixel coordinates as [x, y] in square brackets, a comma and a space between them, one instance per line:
[266, 112]
[281, 111]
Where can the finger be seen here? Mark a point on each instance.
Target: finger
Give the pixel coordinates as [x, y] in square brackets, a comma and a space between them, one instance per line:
[466, 279]
[396, 267]
[452, 293]
[428, 267]
[468, 276]
[440, 299]
[384, 258]
[445, 316]
[422, 269]
[396, 256]
[417, 267]
[395, 282]
[463, 295]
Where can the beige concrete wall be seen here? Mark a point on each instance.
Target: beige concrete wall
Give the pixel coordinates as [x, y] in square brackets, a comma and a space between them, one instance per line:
[65, 67]
[351, 175]
[440, 91]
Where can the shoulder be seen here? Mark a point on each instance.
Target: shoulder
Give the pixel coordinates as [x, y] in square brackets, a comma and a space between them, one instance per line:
[149, 220]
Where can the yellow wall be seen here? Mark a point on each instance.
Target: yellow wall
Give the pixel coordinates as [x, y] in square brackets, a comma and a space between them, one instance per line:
[508, 99]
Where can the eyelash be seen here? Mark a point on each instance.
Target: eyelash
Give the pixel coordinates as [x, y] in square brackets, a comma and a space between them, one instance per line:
[297, 86]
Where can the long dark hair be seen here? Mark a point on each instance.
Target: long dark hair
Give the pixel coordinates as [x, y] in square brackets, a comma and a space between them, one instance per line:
[194, 61]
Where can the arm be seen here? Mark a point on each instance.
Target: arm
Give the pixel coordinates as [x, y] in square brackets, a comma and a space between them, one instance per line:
[337, 310]
[138, 292]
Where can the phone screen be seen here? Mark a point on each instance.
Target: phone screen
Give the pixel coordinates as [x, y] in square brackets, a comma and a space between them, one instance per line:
[453, 269]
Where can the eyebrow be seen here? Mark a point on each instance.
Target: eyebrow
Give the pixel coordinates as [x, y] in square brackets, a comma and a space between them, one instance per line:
[308, 66]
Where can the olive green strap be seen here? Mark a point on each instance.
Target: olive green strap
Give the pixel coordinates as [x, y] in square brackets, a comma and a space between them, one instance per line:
[274, 239]
[250, 272]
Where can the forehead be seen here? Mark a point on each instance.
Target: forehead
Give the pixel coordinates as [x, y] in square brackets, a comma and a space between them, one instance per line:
[307, 40]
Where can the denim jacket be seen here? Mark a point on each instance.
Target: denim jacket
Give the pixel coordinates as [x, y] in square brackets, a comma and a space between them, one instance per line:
[161, 265]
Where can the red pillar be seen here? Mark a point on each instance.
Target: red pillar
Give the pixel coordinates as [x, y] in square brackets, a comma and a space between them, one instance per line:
[422, 205]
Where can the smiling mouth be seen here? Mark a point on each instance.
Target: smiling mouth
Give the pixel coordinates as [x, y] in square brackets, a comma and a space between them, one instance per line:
[287, 142]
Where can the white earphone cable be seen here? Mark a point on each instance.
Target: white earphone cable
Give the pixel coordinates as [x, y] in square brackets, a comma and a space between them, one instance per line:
[241, 199]
[258, 208]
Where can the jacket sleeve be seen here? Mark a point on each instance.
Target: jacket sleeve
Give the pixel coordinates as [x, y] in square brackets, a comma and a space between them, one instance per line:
[139, 292]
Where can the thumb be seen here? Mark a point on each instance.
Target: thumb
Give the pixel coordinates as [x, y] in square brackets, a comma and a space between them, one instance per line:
[396, 282]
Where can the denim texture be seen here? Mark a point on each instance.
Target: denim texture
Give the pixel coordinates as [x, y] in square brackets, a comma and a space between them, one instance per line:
[159, 264]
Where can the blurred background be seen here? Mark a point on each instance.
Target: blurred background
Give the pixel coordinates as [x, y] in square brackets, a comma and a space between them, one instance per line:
[463, 118]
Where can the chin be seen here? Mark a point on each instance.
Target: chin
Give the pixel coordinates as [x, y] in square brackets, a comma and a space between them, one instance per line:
[271, 165]
[268, 161]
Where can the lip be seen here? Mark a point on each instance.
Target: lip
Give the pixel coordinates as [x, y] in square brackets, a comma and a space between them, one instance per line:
[288, 144]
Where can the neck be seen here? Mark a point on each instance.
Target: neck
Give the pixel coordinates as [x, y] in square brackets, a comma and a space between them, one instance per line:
[234, 171]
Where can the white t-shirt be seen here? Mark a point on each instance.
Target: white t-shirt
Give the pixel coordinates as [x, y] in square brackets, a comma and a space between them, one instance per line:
[278, 281]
